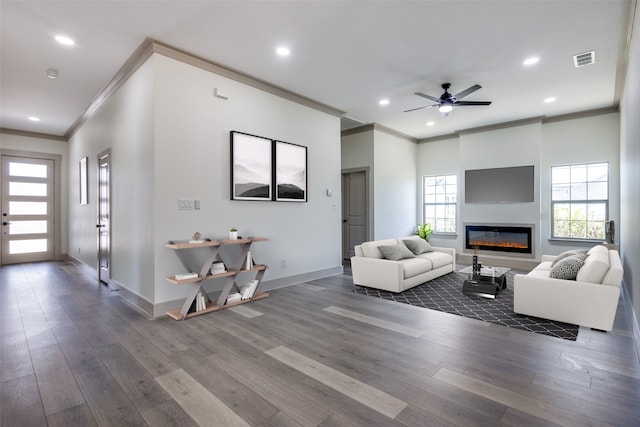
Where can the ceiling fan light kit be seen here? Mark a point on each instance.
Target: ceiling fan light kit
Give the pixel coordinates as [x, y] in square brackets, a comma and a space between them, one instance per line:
[446, 102]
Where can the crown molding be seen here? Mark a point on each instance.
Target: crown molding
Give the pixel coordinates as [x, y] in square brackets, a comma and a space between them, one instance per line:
[33, 134]
[238, 76]
[131, 65]
[438, 138]
[380, 128]
[150, 46]
[528, 121]
[582, 114]
[359, 129]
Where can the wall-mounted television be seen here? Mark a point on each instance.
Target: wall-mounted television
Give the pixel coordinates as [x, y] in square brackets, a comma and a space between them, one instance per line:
[500, 185]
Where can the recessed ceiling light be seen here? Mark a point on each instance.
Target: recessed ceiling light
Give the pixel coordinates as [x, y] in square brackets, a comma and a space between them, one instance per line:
[65, 40]
[283, 51]
[34, 119]
[531, 61]
[384, 102]
[430, 123]
[550, 99]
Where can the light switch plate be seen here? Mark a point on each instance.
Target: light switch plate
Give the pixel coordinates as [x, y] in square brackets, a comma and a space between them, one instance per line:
[185, 204]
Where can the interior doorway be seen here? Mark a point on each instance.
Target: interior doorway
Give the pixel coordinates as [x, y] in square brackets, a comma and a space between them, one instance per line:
[355, 210]
[104, 217]
[28, 196]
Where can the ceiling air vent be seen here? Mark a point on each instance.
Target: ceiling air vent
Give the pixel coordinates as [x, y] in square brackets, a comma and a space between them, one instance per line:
[586, 58]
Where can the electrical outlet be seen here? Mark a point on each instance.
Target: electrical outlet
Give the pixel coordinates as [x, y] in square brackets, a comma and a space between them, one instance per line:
[284, 263]
[185, 204]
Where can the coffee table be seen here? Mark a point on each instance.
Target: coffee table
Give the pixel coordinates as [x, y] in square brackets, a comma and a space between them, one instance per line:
[486, 283]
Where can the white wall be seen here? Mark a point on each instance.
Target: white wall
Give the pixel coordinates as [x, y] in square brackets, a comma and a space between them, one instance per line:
[357, 150]
[124, 125]
[630, 174]
[587, 139]
[581, 140]
[36, 144]
[512, 146]
[395, 186]
[357, 153]
[192, 161]
[169, 139]
[391, 160]
[439, 157]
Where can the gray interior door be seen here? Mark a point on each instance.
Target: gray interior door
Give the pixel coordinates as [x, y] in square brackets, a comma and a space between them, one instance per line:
[355, 222]
[104, 218]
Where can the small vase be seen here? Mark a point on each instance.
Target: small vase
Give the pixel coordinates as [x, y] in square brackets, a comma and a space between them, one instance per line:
[233, 235]
[475, 264]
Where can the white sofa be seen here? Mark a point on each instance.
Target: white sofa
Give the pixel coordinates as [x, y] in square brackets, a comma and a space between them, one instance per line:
[370, 268]
[590, 300]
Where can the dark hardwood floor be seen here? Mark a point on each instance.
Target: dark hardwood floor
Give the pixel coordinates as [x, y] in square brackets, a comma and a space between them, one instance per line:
[73, 353]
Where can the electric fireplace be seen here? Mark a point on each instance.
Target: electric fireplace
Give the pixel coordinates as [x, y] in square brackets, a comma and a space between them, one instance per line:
[499, 238]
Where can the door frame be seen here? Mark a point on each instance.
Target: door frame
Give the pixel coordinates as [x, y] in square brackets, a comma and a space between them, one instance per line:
[368, 204]
[57, 189]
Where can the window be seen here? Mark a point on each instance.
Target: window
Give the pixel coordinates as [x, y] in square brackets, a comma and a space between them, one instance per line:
[440, 202]
[580, 201]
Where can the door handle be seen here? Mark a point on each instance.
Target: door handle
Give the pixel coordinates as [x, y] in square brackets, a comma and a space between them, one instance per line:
[99, 225]
[6, 223]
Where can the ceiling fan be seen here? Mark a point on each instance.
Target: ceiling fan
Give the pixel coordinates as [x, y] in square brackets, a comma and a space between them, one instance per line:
[446, 102]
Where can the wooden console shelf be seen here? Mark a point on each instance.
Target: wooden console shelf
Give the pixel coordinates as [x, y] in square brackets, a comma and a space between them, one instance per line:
[196, 283]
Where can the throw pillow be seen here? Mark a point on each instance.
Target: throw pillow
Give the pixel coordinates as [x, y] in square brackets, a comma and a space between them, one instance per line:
[396, 252]
[418, 246]
[568, 267]
[566, 254]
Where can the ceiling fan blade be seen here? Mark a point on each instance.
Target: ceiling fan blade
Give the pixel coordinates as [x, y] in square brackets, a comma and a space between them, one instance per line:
[463, 103]
[433, 98]
[414, 109]
[420, 108]
[467, 91]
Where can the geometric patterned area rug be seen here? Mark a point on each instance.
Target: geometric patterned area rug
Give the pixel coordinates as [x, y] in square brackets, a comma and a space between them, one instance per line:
[445, 294]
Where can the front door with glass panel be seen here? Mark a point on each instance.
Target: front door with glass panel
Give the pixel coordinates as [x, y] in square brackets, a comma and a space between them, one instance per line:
[27, 209]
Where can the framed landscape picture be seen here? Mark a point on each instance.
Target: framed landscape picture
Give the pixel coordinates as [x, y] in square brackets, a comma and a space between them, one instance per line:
[290, 172]
[251, 167]
[84, 183]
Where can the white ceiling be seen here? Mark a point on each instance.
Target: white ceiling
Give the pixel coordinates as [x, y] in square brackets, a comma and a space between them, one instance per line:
[346, 54]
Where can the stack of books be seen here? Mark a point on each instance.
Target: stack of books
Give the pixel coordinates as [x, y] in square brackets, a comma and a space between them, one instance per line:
[218, 268]
[201, 304]
[186, 276]
[248, 264]
[249, 289]
[234, 297]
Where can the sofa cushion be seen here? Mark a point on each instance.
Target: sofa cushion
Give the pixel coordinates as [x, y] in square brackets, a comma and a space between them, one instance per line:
[567, 268]
[415, 266]
[615, 272]
[438, 259]
[395, 252]
[565, 254]
[595, 267]
[418, 246]
[539, 272]
[598, 249]
[370, 249]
